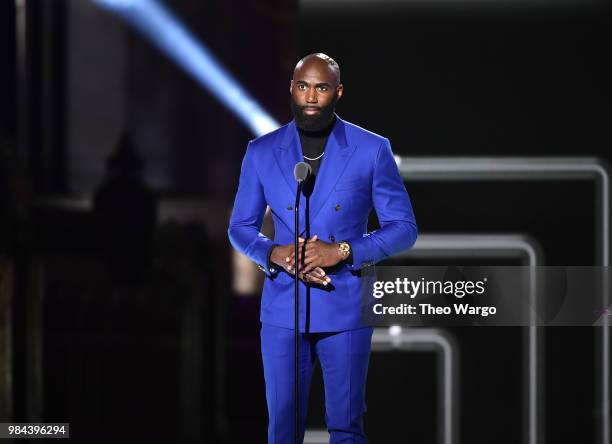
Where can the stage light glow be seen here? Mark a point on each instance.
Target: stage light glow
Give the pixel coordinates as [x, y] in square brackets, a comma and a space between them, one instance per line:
[395, 330]
[161, 27]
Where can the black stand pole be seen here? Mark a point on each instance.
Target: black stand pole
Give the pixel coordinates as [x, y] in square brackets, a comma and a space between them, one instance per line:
[296, 411]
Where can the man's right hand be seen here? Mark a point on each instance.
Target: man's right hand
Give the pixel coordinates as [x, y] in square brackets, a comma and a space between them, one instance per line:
[281, 255]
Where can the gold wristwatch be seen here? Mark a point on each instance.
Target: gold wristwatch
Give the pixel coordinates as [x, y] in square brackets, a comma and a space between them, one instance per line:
[345, 249]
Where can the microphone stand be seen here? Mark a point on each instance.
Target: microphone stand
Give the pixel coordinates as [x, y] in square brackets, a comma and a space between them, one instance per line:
[296, 411]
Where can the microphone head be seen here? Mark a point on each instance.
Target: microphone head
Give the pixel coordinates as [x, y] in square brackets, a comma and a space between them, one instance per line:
[301, 171]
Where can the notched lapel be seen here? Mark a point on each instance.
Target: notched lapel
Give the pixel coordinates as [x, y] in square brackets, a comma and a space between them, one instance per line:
[287, 154]
[335, 159]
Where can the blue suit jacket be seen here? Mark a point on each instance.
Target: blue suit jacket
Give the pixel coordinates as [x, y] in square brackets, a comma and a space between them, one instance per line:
[358, 172]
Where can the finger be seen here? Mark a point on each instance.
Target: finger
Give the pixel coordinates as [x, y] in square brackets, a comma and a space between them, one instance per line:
[313, 244]
[311, 254]
[291, 257]
[310, 249]
[313, 278]
[314, 238]
[312, 262]
[291, 264]
[322, 275]
[316, 279]
[306, 278]
[292, 251]
[309, 267]
[312, 258]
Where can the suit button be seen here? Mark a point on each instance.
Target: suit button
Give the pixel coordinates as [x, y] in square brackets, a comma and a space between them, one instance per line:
[290, 207]
[332, 238]
[337, 207]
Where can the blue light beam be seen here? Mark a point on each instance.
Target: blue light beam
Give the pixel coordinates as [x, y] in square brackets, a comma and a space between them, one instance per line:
[159, 25]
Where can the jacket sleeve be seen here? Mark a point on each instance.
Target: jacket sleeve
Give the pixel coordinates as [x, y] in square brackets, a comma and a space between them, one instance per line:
[398, 229]
[247, 216]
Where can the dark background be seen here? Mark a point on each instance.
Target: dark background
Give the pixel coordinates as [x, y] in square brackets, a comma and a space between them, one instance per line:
[119, 315]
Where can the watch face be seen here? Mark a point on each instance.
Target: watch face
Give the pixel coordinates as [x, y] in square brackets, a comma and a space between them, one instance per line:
[345, 249]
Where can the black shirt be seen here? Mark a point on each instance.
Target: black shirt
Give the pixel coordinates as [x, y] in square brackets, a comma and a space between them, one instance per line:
[313, 145]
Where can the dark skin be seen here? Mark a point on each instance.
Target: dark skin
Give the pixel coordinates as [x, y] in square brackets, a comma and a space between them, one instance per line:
[283, 256]
[314, 84]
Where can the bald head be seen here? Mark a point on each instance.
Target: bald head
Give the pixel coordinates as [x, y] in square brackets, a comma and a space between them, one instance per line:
[319, 60]
[315, 88]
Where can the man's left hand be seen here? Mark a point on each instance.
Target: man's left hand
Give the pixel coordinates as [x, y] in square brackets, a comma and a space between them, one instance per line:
[319, 253]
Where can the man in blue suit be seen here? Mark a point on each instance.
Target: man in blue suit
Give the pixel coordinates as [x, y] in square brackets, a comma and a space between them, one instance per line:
[353, 171]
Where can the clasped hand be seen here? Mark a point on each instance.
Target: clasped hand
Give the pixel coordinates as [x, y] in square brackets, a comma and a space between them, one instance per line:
[315, 255]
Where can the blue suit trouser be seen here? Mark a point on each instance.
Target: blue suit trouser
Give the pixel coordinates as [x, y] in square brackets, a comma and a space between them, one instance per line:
[344, 360]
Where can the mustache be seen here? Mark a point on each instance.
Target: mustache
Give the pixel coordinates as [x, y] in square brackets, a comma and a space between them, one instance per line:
[310, 121]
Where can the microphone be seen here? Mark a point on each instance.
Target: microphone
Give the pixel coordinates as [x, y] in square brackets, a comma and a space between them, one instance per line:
[302, 172]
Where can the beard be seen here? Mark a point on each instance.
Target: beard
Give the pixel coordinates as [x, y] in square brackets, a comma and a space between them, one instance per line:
[315, 122]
